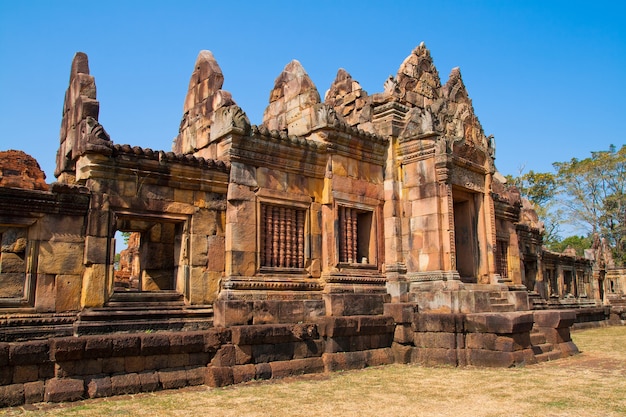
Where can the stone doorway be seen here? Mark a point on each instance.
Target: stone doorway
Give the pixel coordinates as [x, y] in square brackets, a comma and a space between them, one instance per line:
[154, 259]
[530, 275]
[466, 234]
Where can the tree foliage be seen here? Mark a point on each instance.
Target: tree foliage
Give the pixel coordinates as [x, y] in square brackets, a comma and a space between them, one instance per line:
[592, 192]
[578, 243]
[540, 189]
[587, 194]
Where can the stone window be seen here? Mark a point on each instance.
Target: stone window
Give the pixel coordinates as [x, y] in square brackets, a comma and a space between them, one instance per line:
[282, 232]
[502, 254]
[14, 285]
[356, 231]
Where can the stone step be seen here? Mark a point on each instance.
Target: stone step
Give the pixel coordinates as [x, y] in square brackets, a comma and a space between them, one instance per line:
[136, 311]
[499, 300]
[132, 326]
[537, 338]
[548, 356]
[143, 305]
[502, 308]
[146, 297]
[142, 313]
[542, 348]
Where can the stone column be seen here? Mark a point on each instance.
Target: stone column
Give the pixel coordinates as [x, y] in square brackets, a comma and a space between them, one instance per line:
[241, 222]
[389, 121]
[99, 247]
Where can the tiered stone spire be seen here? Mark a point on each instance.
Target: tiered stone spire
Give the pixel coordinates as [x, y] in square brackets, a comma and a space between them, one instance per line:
[291, 101]
[204, 97]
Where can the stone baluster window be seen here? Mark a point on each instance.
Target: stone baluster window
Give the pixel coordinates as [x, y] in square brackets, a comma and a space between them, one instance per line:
[502, 254]
[355, 231]
[282, 236]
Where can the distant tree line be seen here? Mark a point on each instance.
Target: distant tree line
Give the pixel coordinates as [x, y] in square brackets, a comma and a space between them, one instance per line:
[588, 195]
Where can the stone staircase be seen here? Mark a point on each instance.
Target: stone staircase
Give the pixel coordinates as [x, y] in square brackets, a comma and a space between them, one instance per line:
[543, 350]
[135, 311]
[499, 302]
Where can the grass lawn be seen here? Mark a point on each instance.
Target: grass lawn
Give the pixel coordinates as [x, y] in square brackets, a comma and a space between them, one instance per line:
[592, 383]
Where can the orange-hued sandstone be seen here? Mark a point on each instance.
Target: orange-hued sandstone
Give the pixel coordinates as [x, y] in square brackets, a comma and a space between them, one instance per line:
[352, 230]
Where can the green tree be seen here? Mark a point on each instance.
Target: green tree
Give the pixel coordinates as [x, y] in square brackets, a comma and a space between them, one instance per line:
[540, 189]
[578, 243]
[592, 192]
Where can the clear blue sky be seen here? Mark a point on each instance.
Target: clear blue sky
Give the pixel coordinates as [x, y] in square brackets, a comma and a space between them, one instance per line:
[547, 78]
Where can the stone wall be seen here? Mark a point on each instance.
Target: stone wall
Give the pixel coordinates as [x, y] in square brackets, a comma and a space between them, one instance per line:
[77, 367]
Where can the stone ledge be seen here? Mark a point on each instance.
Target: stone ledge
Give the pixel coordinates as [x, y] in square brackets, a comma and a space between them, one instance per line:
[501, 323]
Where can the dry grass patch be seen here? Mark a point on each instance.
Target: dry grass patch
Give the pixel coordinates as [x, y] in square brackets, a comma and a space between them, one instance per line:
[590, 384]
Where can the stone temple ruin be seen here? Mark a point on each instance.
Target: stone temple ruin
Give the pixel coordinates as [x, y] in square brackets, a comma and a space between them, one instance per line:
[355, 231]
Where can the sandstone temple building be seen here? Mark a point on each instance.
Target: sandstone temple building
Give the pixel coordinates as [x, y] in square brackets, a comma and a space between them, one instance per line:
[345, 231]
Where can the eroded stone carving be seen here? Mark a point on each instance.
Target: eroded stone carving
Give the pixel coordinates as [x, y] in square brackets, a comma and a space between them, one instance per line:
[20, 170]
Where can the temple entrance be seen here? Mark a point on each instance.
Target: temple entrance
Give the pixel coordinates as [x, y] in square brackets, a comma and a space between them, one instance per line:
[152, 258]
[466, 234]
[530, 275]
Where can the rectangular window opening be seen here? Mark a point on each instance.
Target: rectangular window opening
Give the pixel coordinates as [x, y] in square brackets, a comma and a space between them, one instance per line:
[502, 254]
[356, 243]
[282, 236]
